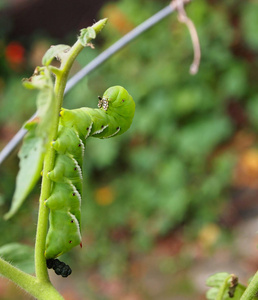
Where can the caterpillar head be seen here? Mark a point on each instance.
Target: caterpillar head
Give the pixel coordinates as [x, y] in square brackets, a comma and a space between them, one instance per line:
[118, 103]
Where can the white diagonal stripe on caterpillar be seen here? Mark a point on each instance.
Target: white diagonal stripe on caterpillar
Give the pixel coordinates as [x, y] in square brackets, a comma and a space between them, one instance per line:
[77, 166]
[99, 131]
[76, 222]
[89, 130]
[81, 143]
[113, 134]
[75, 191]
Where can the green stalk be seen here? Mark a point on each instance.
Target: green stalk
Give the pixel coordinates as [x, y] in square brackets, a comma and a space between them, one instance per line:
[223, 288]
[42, 226]
[40, 286]
[61, 79]
[252, 289]
[39, 290]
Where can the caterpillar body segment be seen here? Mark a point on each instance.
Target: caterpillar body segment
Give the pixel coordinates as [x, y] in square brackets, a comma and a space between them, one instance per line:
[64, 233]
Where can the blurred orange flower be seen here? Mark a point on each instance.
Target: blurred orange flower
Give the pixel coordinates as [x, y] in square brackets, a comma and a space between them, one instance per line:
[14, 53]
[104, 195]
[246, 172]
[117, 19]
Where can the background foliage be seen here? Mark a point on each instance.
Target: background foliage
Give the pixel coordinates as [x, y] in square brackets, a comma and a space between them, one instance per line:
[178, 164]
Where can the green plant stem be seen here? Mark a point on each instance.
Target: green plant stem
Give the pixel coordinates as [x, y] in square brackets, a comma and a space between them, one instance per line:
[61, 79]
[252, 289]
[223, 288]
[39, 290]
[49, 161]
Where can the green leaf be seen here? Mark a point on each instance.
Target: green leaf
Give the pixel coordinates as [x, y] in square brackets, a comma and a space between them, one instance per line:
[212, 293]
[42, 80]
[31, 160]
[249, 23]
[252, 109]
[224, 286]
[45, 103]
[20, 256]
[35, 82]
[198, 139]
[57, 51]
[87, 34]
[217, 279]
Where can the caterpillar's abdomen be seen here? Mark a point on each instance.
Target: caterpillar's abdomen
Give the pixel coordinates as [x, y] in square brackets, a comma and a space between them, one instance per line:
[64, 233]
[68, 141]
[67, 168]
[65, 199]
[71, 202]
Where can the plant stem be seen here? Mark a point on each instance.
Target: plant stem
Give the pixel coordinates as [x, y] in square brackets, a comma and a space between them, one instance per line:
[42, 226]
[223, 288]
[61, 79]
[39, 290]
[252, 289]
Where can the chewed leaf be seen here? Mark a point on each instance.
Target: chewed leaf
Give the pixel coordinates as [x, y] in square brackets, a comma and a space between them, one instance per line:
[42, 80]
[21, 256]
[31, 160]
[31, 124]
[87, 34]
[54, 52]
[35, 82]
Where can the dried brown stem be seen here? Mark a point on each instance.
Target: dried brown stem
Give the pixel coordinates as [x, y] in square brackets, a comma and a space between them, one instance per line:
[182, 17]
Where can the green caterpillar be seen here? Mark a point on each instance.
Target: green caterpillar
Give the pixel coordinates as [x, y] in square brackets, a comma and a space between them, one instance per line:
[113, 117]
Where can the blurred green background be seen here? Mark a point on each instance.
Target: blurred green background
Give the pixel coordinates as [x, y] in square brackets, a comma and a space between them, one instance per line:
[170, 190]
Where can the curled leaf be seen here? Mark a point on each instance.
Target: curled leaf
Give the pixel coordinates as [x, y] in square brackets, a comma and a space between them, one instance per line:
[35, 82]
[57, 51]
[89, 33]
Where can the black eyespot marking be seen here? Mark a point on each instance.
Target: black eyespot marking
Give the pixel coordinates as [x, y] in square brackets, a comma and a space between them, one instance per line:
[117, 128]
[75, 169]
[102, 126]
[73, 194]
[123, 100]
[87, 128]
[70, 242]
[72, 221]
[79, 145]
